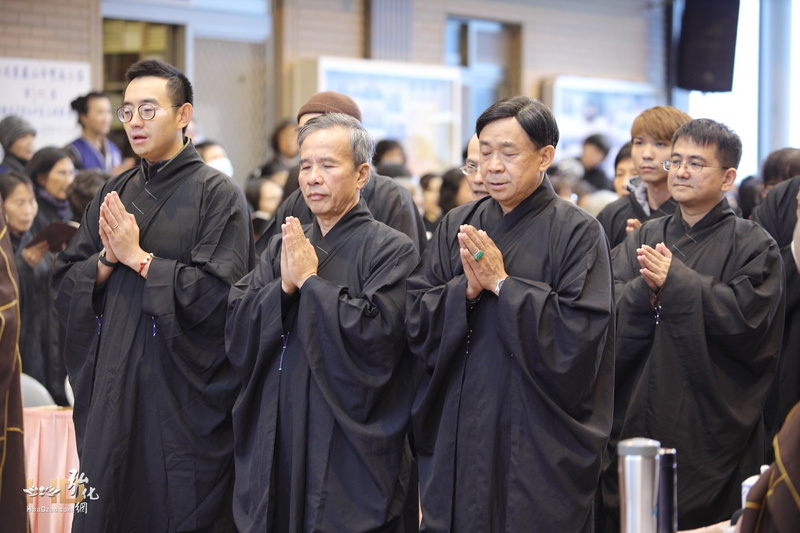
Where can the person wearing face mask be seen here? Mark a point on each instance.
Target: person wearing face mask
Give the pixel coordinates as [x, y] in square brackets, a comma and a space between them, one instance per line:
[215, 156]
[17, 136]
[93, 149]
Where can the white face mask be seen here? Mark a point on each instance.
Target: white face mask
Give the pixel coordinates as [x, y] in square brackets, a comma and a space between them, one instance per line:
[223, 164]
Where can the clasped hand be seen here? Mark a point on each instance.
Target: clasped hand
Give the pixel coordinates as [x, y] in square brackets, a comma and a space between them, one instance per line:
[485, 272]
[298, 258]
[119, 232]
[655, 264]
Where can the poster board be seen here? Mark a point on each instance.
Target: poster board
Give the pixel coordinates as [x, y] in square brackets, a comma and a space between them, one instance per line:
[418, 105]
[585, 106]
[41, 91]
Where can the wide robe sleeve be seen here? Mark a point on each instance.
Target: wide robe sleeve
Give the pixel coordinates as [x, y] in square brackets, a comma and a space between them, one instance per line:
[254, 328]
[185, 297]
[735, 314]
[355, 338]
[189, 300]
[557, 323]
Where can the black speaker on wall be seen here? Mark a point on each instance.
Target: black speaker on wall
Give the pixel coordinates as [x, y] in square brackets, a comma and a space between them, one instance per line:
[707, 45]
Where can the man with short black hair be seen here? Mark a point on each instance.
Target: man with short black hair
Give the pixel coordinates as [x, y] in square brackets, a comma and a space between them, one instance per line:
[143, 289]
[510, 314]
[699, 306]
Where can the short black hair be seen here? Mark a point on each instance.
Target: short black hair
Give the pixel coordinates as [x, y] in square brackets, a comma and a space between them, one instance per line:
[598, 140]
[384, 146]
[178, 85]
[84, 188]
[451, 183]
[780, 165]
[43, 162]
[707, 132]
[81, 104]
[274, 138]
[624, 153]
[533, 116]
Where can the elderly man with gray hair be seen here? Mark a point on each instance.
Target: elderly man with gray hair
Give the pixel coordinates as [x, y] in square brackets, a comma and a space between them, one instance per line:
[316, 335]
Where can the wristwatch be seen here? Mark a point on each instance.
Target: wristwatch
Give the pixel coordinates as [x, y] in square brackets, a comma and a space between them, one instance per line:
[499, 286]
[103, 259]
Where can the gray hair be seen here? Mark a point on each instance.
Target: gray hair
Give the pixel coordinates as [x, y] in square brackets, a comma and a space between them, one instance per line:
[361, 144]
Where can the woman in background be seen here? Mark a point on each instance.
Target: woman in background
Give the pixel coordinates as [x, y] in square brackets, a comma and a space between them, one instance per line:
[93, 149]
[454, 190]
[38, 333]
[52, 171]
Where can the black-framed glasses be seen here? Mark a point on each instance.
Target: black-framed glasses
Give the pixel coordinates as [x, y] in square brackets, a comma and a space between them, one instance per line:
[469, 169]
[692, 166]
[146, 111]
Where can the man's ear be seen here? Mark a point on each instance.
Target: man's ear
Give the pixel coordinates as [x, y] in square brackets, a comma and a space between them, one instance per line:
[185, 113]
[548, 152]
[729, 179]
[363, 175]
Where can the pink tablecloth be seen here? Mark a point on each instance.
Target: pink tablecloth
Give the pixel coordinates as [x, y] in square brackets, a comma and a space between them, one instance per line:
[50, 454]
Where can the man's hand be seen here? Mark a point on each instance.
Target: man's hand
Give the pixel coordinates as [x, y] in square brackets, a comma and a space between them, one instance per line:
[484, 273]
[120, 232]
[655, 264]
[298, 258]
[631, 224]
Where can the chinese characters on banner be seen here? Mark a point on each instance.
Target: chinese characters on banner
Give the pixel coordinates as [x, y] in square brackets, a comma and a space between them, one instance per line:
[41, 91]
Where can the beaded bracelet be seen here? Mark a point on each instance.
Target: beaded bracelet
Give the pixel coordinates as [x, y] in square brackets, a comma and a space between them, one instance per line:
[143, 264]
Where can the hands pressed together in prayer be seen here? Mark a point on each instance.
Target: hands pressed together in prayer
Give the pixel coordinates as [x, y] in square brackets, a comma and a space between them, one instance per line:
[119, 232]
[298, 258]
[482, 261]
[655, 264]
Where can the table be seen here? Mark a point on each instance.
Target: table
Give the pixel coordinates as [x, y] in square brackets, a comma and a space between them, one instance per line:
[50, 454]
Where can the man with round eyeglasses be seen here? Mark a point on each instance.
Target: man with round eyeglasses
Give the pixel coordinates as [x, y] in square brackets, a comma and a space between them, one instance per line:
[700, 298]
[143, 290]
[651, 139]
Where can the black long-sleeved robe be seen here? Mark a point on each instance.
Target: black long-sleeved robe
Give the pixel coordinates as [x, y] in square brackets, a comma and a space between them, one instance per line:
[697, 380]
[146, 358]
[387, 200]
[514, 409]
[39, 332]
[614, 217]
[778, 215]
[320, 422]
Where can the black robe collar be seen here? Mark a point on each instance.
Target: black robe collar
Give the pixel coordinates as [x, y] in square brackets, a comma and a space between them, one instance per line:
[340, 233]
[502, 228]
[683, 240]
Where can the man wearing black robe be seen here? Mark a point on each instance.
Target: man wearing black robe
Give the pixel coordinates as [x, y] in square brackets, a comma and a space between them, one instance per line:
[778, 215]
[651, 140]
[699, 307]
[511, 315]
[143, 290]
[316, 335]
[387, 200]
